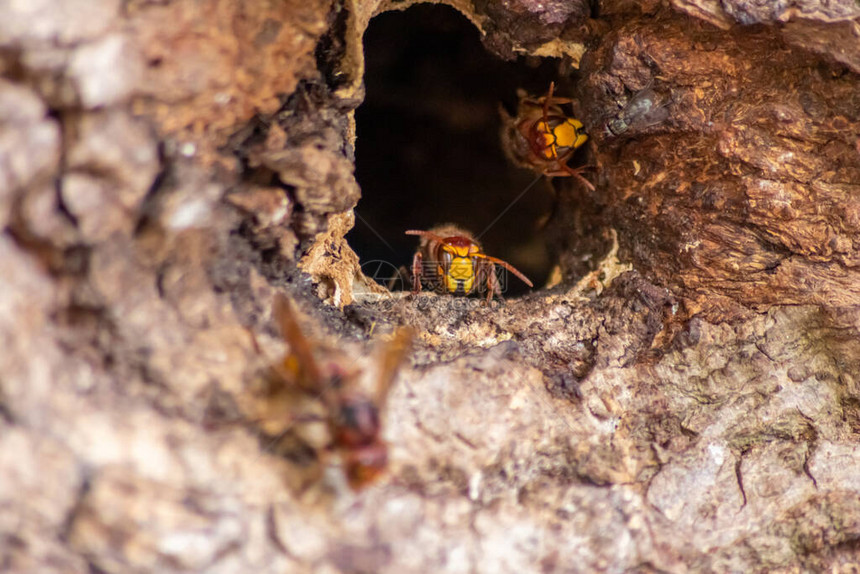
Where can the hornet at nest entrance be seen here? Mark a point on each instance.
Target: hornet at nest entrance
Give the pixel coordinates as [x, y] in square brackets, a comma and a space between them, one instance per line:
[450, 260]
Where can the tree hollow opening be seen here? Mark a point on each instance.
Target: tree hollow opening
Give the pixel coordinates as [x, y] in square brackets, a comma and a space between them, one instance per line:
[428, 149]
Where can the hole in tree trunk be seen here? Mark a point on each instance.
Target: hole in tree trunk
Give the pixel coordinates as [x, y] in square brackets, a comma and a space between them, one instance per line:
[428, 149]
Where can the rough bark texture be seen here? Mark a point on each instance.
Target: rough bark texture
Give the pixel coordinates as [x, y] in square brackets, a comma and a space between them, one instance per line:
[747, 191]
[687, 398]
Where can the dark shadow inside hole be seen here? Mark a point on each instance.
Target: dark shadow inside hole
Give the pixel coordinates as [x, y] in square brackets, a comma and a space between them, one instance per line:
[428, 150]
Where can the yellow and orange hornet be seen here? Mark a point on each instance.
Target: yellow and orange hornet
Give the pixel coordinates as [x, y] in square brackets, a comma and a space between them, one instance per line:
[542, 137]
[450, 260]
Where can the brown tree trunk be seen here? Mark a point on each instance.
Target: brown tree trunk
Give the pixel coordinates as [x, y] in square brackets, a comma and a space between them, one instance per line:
[684, 397]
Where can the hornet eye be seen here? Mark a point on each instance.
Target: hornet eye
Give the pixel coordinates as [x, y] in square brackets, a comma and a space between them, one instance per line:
[446, 258]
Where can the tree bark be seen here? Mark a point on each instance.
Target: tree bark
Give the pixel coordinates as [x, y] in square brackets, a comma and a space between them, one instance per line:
[685, 398]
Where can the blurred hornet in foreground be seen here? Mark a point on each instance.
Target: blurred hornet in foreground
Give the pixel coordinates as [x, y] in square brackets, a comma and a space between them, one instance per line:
[542, 137]
[352, 416]
[449, 260]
